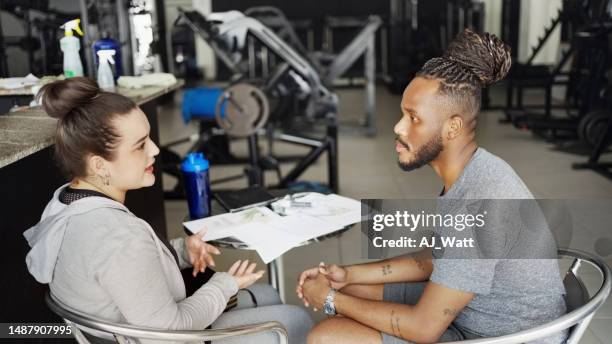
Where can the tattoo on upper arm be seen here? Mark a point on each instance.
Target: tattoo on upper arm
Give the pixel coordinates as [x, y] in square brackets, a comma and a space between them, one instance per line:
[395, 327]
[386, 269]
[451, 312]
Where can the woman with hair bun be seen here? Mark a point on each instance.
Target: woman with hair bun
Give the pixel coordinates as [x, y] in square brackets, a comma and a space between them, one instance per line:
[98, 257]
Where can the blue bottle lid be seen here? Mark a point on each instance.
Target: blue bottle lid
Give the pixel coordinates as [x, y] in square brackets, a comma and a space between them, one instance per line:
[194, 162]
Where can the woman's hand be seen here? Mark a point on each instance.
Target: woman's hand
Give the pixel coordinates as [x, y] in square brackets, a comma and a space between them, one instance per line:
[200, 253]
[243, 273]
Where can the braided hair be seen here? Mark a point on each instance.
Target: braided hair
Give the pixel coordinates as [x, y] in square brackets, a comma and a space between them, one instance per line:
[471, 61]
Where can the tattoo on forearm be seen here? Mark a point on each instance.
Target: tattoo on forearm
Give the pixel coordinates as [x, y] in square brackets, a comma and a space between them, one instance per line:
[419, 262]
[392, 324]
[398, 328]
[395, 327]
[386, 269]
[451, 312]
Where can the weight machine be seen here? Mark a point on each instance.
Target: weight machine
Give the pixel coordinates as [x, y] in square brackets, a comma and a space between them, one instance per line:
[262, 102]
[527, 75]
[326, 64]
[585, 83]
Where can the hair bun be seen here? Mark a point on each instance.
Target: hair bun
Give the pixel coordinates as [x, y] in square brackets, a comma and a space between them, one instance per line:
[61, 97]
[485, 55]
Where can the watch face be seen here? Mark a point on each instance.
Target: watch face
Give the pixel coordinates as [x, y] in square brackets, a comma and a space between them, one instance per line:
[329, 310]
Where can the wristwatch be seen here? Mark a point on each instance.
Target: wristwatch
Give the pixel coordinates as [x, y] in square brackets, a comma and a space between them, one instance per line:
[328, 306]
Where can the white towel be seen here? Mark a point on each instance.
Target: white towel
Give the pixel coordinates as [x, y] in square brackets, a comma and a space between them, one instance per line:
[155, 79]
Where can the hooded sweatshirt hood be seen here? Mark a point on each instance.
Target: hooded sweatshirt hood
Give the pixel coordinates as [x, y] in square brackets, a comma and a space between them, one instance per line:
[46, 237]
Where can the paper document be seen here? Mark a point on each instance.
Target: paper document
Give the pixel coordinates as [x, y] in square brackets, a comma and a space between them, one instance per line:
[303, 226]
[224, 225]
[271, 235]
[269, 242]
[344, 211]
[341, 211]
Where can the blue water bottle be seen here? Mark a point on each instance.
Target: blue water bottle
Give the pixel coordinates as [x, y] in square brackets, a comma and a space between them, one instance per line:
[197, 185]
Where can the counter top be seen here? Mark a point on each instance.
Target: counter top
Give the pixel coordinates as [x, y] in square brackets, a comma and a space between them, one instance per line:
[28, 131]
[23, 91]
[146, 94]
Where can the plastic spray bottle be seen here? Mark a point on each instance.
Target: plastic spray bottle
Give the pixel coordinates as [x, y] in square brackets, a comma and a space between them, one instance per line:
[106, 79]
[107, 43]
[70, 46]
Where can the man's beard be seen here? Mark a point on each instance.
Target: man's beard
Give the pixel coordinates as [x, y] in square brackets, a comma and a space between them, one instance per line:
[426, 154]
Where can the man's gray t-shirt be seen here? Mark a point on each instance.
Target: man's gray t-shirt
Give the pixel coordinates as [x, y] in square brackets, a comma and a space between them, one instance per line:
[511, 294]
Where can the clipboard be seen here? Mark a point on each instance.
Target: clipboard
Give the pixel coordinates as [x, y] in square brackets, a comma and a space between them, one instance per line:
[238, 200]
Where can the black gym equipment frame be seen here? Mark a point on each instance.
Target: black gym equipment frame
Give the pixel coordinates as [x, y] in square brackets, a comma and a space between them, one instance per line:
[584, 82]
[593, 163]
[602, 143]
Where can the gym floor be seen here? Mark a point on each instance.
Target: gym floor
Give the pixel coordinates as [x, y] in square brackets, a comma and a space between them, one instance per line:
[368, 169]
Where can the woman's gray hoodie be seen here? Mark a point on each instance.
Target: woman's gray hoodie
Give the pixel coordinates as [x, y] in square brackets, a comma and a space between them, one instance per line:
[99, 258]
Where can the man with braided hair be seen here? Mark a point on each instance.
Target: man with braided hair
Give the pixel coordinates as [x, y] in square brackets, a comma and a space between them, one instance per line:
[421, 297]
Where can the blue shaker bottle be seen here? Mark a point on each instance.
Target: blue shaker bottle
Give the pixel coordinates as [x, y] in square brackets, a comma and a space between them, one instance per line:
[197, 185]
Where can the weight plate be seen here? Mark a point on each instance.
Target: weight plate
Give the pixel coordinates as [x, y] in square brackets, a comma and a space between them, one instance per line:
[242, 109]
[592, 125]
